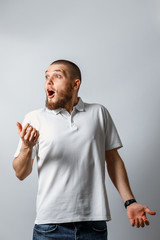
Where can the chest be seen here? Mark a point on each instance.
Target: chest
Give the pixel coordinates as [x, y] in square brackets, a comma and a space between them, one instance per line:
[77, 130]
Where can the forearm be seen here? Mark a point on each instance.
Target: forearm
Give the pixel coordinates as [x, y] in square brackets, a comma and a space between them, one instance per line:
[118, 175]
[23, 163]
[117, 172]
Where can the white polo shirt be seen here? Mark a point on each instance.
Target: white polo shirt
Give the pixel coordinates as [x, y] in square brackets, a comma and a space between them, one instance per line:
[70, 156]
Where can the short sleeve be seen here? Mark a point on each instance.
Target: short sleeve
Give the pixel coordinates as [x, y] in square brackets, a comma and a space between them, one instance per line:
[27, 119]
[112, 138]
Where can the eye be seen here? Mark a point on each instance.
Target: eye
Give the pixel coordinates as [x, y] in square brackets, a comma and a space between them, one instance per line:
[58, 76]
[47, 77]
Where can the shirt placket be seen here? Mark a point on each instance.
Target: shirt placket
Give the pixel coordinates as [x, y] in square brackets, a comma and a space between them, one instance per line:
[69, 118]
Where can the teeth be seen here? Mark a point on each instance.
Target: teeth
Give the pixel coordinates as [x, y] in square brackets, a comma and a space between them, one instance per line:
[50, 90]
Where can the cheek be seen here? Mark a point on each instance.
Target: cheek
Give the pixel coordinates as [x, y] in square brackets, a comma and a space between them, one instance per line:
[60, 86]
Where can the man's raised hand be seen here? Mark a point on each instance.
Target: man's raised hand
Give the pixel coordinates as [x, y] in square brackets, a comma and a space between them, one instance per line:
[28, 134]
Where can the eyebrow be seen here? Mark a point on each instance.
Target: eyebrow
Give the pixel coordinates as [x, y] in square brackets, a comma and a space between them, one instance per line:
[58, 70]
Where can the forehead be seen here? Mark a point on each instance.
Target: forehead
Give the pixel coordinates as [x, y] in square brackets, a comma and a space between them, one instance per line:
[57, 68]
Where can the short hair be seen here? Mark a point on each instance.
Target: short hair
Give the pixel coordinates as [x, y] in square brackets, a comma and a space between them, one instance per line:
[73, 69]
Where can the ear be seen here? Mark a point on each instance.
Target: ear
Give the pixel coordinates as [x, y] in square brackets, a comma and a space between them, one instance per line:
[76, 84]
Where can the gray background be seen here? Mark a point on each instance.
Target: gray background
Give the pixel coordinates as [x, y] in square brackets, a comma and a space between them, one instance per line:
[116, 45]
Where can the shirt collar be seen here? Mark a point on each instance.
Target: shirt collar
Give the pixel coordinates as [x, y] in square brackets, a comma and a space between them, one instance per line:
[80, 107]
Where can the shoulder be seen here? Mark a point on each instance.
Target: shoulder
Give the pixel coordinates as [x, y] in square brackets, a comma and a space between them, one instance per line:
[96, 107]
[33, 117]
[35, 113]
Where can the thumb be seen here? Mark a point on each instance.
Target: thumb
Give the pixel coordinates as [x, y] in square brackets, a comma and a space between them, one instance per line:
[147, 210]
[19, 126]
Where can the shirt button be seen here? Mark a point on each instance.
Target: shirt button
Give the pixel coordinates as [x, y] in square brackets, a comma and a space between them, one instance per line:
[73, 126]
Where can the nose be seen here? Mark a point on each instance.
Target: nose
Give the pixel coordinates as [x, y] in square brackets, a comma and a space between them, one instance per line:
[50, 81]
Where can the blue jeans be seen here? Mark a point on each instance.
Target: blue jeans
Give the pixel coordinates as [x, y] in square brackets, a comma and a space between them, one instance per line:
[86, 230]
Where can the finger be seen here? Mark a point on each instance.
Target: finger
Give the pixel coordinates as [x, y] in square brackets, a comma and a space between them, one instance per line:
[23, 132]
[147, 210]
[141, 223]
[132, 222]
[145, 220]
[32, 135]
[36, 137]
[137, 223]
[19, 126]
[28, 133]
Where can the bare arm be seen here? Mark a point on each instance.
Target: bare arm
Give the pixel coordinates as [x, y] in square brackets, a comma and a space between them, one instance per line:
[24, 162]
[117, 172]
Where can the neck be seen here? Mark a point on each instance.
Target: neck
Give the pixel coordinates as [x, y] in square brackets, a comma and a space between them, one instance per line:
[71, 104]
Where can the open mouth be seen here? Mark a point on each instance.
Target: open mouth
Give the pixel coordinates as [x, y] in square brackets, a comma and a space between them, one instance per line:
[51, 93]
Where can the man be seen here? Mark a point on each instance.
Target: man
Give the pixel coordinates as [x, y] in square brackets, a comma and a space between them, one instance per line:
[71, 141]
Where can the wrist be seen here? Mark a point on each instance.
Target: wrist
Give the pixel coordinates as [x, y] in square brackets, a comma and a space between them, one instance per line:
[129, 202]
[25, 148]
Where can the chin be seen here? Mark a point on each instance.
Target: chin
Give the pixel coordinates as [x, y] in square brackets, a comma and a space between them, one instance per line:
[50, 100]
[52, 104]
